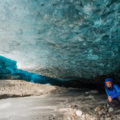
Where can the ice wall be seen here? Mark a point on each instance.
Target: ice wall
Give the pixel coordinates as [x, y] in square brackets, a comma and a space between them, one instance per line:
[62, 38]
[9, 70]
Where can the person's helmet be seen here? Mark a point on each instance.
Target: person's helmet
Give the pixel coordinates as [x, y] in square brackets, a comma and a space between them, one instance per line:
[108, 79]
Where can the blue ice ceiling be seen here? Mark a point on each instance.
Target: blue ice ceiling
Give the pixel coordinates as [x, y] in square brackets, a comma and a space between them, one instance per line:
[62, 38]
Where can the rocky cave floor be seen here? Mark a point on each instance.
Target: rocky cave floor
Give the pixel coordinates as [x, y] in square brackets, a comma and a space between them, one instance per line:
[53, 103]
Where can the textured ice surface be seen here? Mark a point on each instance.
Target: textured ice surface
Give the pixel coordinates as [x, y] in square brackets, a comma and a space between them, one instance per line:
[62, 38]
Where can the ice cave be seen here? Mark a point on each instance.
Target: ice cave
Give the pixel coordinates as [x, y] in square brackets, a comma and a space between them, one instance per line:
[70, 46]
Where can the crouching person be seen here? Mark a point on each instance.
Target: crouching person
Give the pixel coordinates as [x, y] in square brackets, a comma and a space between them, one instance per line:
[113, 93]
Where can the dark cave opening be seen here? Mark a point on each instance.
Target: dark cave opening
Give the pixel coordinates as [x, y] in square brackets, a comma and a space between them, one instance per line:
[9, 70]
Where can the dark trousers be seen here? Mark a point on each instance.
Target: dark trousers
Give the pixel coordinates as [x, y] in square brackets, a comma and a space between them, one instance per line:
[115, 103]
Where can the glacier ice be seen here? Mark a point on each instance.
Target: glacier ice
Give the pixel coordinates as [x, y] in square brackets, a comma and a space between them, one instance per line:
[62, 38]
